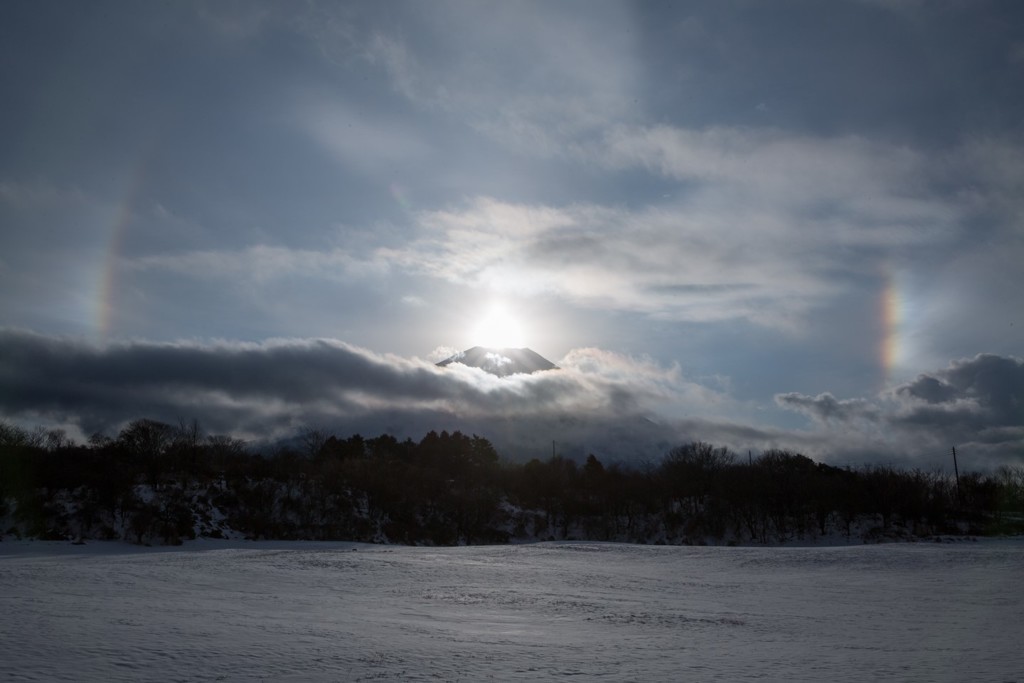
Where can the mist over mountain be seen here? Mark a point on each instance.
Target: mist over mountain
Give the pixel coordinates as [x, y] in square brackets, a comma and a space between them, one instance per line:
[501, 362]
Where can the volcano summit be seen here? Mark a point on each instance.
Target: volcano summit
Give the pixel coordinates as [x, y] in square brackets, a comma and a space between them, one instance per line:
[501, 362]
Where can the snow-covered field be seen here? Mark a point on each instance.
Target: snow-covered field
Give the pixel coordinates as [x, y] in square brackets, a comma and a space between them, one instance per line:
[334, 612]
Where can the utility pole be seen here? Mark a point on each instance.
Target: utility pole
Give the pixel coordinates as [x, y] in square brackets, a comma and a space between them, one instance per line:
[956, 472]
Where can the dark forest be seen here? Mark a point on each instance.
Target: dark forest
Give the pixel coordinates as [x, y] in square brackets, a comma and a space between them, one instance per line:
[157, 483]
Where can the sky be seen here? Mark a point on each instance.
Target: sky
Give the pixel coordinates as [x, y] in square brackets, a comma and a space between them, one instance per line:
[786, 224]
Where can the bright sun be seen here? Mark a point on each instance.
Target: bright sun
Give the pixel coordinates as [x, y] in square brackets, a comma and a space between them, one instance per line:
[498, 329]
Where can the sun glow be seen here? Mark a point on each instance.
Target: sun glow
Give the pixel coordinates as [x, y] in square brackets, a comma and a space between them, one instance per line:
[498, 329]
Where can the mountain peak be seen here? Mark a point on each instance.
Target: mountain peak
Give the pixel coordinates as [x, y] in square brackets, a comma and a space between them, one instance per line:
[501, 362]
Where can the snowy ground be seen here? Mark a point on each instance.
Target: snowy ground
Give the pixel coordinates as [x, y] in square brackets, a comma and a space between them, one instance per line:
[333, 612]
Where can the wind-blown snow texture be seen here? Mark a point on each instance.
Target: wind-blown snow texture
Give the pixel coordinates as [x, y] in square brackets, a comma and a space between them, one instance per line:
[331, 612]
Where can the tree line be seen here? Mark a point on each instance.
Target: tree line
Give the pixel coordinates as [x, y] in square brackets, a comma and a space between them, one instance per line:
[161, 483]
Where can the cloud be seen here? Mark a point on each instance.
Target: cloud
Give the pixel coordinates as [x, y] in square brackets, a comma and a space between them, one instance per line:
[268, 390]
[534, 77]
[866, 181]
[983, 392]
[767, 223]
[743, 245]
[766, 226]
[826, 408]
[769, 219]
[975, 404]
[258, 263]
[651, 261]
[619, 407]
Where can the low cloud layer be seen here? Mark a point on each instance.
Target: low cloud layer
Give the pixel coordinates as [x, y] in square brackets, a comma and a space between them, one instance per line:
[270, 390]
[619, 407]
[975, 404]
[826, 408]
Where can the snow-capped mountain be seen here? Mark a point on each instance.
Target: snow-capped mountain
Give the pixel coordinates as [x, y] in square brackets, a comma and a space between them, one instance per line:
[501, 362]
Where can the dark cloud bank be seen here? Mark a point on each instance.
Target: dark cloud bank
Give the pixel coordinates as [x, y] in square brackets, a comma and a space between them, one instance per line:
[975, 404]
[615, 406]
